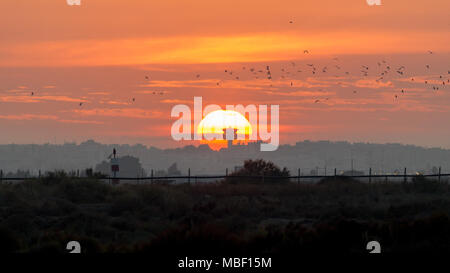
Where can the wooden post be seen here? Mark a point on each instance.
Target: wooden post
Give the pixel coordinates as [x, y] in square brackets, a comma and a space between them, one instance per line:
[1, 176]
[151, 177]
[189, 176]
[335, 174]
[39, 173]
[404, 176]
[226, 172]
[439, 176]
[370, 175]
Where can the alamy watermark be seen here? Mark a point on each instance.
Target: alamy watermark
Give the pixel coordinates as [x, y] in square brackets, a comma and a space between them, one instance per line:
[374, 2]
[73, 2]
[258, 117]
[78, 2]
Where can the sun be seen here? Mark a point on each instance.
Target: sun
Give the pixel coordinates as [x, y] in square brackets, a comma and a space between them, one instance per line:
[213, 124]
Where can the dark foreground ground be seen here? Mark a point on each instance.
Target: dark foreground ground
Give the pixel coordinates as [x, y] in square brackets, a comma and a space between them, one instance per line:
[335, 216]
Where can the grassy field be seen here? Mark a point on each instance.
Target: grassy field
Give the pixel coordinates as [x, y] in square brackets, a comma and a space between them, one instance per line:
[42, 215]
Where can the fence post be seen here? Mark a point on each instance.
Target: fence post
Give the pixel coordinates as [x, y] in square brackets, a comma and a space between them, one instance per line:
[404, 176]
[370, 175]
[298, 178]
[39, 173]
[1, 176]
[335, 174]
[226, 172]
[151, 177]
[439, 176]
[189, 176]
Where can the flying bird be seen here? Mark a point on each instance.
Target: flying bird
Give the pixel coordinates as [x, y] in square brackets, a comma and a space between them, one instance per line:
[305, 51]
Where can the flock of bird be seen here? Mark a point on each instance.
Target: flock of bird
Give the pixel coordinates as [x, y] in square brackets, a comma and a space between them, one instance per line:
[382, 73]
[384, 69]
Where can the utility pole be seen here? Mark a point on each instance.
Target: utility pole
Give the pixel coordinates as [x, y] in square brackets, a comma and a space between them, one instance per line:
[352, 166]
[189, 176]
[404, 176]
[439, 176]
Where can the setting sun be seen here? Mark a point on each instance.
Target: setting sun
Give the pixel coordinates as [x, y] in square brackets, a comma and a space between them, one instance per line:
[213, 125]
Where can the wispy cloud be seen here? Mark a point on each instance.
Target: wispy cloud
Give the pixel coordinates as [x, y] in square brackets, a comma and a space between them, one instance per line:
[173, 101]
[29, 117]
[120, 112]
[37, 98]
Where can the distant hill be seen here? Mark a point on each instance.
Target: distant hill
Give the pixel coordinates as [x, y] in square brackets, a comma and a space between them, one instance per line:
[312, 157]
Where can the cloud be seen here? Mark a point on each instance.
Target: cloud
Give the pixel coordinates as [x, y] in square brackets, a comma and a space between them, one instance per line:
[173, 101]
[252, 47]
[120, 112]
[114, 102]
[37, 98]
[29, 117]
[301, 93]
[99, 93]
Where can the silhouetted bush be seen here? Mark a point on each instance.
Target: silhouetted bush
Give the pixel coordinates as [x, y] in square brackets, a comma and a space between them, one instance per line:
[259, 171]
[335, 214]
[9, 242]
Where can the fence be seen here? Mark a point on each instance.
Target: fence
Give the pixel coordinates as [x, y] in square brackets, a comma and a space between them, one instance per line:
[298, 178]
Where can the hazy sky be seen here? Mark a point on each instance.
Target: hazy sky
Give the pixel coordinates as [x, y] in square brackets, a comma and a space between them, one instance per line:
[100, 52]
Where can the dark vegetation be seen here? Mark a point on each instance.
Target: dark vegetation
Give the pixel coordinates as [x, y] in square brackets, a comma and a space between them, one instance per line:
[334, 215]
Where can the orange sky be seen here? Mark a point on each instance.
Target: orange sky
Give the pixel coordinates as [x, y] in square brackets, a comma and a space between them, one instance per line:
[100, 52]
